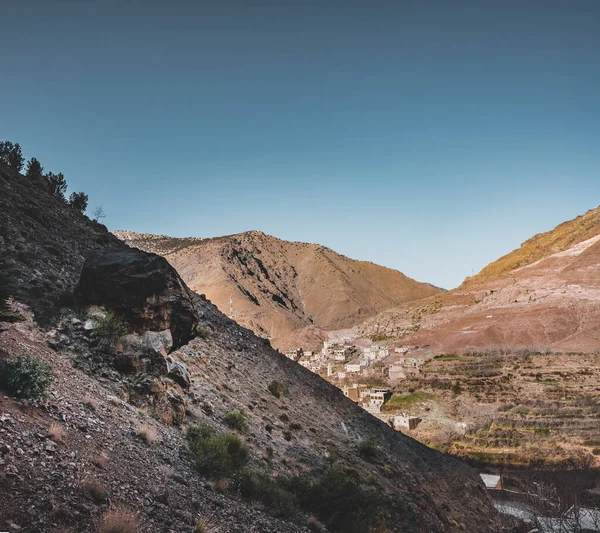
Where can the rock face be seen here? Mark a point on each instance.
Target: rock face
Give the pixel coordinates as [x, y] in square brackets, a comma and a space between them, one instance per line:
[141, 287]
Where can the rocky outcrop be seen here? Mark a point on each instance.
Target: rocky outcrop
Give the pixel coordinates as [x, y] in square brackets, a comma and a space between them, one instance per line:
[43, 243]
[142, 288]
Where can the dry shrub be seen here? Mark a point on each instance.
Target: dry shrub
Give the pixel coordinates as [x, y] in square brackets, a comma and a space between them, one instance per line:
[100, 460]
[221, 485]
[117, 520]
[206, 524]
[95, 490]
[56, 432]
[147, 434]
[314, 524]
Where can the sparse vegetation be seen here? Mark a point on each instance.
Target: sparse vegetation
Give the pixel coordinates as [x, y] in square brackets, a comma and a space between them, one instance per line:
[57, 185]
[338, 499]
[56, 432]
[34, 169]
[367, 449]
[79, 201]
[26, 377]
[109, 327]
[95, 490]
[216, 455]
[202, 331]
[276, 388]
[117, 520]
[146, 434]
[236, 419]
[6, 313]
[11, 155]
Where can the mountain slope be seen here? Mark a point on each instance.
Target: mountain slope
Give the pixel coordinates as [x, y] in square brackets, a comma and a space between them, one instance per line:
[553, 300]
[277, 286]
[90, 433]
[559, 239]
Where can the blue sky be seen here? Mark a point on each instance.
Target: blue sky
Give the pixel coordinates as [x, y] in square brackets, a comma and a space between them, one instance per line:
[428, 136]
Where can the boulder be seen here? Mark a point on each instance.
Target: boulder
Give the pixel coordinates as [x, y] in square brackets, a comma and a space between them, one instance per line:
[179, 373]
[141, 287]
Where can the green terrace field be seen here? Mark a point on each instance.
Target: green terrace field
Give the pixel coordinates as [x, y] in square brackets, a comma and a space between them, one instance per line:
[503, 406]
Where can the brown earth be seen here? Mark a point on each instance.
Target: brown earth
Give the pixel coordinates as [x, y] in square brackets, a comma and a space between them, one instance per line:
[559, 239]
[551, 302]
[280, 287]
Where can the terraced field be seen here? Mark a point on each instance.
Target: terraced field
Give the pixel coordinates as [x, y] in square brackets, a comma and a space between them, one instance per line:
[507, 407]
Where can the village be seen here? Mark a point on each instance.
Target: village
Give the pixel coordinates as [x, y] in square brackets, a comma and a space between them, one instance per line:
[365, 374]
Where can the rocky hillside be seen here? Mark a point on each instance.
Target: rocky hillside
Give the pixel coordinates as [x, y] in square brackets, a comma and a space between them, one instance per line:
[561, 238]
[43, 242]
[552, 301]
[279, 287]
[162, 414]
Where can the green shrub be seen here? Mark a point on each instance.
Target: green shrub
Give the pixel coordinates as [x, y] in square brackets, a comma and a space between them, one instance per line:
[337, 498]
[271, 492]
[216, 455]
[236, 419]
[11, 155]
[34, 169]
[79, 201]
[202, 331]
[295, 426]
[367, 449]
[276, 388]
[109, 327]
[26, 377]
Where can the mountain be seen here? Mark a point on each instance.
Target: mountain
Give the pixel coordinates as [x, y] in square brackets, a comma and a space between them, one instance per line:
[162, 414]
[546, 293]
[279, 287]
[561, 238]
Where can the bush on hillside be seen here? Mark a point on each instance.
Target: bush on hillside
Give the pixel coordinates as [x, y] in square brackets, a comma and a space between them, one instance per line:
[276, 388]
[367, 449]
[109, 327]
[26, 377]
[11, 155]
[79, 201]
[216, 455]
[271, 492]
[34, 169]
[57, 185]
[236, 419]
[337, 498]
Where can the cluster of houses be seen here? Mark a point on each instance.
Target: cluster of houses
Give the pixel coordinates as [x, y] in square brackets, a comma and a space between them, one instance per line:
[339, 362]
[369, 398]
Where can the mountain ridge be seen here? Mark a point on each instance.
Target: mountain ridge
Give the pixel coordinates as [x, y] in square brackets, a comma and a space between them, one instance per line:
[279, 287]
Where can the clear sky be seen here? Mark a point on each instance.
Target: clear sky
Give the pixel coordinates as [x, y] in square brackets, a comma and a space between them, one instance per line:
[428, 136]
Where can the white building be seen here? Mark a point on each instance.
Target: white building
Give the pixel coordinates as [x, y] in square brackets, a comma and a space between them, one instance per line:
[352, 367]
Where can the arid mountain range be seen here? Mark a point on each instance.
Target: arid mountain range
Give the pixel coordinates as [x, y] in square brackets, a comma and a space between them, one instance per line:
[546, 293]
[285, 291]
